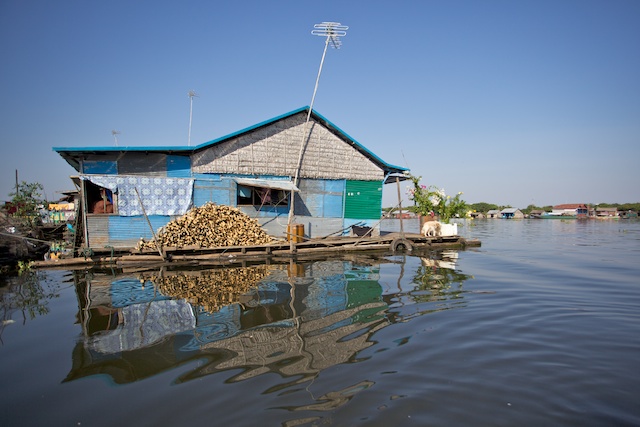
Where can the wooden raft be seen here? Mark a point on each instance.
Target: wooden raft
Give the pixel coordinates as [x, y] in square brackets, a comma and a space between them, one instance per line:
[228, 255]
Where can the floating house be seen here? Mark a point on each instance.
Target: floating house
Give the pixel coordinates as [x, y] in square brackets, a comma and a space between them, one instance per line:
[578, 210]
[125, 192]
[511, 213]
[494, 213]
[607, 212]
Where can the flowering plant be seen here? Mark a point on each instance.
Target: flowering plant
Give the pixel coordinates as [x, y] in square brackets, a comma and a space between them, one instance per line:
[434, 201]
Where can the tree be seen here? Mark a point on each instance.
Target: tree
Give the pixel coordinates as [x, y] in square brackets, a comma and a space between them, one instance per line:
[482, 207]
[26, 201]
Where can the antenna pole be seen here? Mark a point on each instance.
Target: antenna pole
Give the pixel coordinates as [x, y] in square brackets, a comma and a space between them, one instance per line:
[191, 94]
[115, 134]
[332, 31]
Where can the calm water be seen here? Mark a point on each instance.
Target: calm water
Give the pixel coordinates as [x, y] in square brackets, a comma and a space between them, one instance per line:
[539, 326]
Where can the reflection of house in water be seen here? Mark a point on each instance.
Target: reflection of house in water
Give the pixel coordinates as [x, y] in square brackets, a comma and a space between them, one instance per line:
[133, 329]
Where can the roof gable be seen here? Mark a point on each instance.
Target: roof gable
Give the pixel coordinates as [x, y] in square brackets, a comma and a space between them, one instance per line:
[73, 155]
[274, 148]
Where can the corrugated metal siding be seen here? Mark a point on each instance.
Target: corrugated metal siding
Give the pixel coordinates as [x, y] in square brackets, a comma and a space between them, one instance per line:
[98, 229]
[127, 230]
[152, 164]
[363, 199]
[212, 190]
[178, 166]
[321, 227]
[322, 198]
[104, 167]
[121, 231]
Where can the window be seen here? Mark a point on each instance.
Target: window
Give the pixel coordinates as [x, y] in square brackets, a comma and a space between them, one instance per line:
[100, 200]
[261, 196]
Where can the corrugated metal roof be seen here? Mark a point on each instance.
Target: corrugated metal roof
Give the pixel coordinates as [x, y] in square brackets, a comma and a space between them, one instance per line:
[509, 210]
[267, 183]
[73, 154]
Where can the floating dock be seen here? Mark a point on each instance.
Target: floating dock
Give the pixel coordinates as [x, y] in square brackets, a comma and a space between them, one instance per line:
[241, 255]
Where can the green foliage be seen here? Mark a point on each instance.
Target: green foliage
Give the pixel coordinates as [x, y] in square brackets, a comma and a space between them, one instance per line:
[483, 207]
[24, 266]
[27, 200]
[622, 207]
[27, 295]
[530, 208]
[437, 280]
[433, 199]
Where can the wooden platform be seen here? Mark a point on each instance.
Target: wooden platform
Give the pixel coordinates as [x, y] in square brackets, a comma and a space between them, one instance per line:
[240, 255]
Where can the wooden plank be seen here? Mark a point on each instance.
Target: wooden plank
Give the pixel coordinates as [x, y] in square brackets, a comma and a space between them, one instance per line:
[260, 253]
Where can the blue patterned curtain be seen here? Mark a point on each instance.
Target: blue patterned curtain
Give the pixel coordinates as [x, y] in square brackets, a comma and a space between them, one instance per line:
[159, 195]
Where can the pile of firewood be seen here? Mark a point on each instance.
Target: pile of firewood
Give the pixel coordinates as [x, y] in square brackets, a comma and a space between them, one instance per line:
[210, 226]
[211, 289]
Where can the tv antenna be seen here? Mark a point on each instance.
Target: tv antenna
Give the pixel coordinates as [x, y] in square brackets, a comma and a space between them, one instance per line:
[115, 134]
[332, 31]
[191, 95]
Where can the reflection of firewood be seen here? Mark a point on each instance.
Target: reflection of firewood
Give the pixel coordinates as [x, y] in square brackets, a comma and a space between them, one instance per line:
[210, 226]
[210, 289]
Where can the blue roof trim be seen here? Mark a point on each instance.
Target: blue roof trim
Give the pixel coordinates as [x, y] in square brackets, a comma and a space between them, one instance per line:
[319, 116]
[136, 148]
[356, 143]
[189, 149]
[249, 129]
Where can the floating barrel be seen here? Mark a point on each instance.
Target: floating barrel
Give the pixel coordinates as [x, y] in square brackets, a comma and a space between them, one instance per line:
[295, 233]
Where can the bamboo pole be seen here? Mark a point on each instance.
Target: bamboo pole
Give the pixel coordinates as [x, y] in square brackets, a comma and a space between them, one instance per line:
[155, 239]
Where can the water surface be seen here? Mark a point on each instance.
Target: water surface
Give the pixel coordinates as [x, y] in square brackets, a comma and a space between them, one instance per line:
[539, 326]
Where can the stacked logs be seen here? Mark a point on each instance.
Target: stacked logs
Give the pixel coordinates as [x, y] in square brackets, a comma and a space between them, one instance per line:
[210, 289]
[210, 226]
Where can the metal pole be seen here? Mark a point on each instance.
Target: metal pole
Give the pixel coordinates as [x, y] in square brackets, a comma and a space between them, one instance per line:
[190, 118]
[191, 94]
[332, 31]
[304, 135]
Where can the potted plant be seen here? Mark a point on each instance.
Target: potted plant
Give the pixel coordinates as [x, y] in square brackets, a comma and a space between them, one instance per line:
[432, 203]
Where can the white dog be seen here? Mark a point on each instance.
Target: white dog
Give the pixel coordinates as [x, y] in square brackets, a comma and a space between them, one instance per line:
[431, 228]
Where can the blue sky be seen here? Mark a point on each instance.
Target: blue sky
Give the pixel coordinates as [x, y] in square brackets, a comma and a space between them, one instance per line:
[513, 102]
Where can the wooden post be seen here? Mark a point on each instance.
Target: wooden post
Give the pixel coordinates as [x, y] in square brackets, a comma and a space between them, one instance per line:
[400, 206]
[155, 239]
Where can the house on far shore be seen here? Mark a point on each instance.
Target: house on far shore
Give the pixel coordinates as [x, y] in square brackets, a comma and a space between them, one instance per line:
[493, 213]
[536, 213]
[579, 210]
[606, 212]
[511, 213]
[127, 191]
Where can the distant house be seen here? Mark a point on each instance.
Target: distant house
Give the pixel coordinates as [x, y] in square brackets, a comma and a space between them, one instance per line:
[493, 213]
[339, 180]
[606, 212]
[511, 213]
[571, 209]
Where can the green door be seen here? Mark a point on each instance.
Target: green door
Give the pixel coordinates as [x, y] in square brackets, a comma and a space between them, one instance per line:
[363, 200]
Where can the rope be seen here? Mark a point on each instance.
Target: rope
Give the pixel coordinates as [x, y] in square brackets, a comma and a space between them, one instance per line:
[112, 251]
[86, 253]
